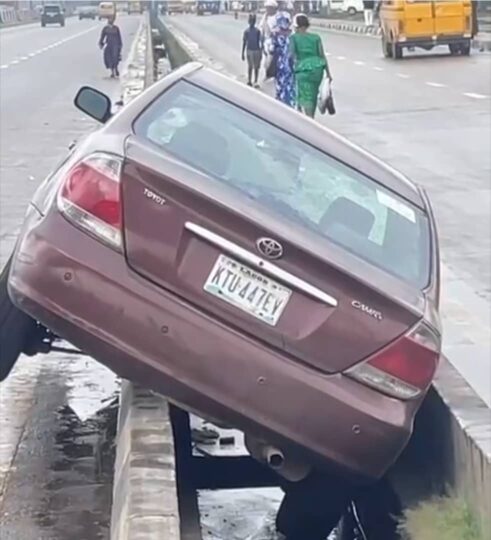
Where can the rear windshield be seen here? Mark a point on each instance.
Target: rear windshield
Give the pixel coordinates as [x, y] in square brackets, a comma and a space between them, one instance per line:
[290, 178]
[52, 9]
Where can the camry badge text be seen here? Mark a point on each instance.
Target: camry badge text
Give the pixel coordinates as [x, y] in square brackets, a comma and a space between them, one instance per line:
[367, 309]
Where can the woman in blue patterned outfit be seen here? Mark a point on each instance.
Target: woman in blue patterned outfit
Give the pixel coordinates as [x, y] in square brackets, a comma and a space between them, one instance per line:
[284, 78]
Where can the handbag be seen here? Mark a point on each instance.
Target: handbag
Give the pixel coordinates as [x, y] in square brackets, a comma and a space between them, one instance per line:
[325, 99]
[271, 66]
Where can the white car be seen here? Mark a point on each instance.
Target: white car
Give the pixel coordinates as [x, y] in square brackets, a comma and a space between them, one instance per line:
[352, 7]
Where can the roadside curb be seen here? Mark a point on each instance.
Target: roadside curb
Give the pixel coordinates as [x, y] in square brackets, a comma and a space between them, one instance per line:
[144, 505]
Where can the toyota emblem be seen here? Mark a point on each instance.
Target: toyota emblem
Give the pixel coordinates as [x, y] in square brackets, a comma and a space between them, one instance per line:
[269, 248]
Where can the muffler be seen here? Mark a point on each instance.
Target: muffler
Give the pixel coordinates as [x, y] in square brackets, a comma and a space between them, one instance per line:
[283, 463]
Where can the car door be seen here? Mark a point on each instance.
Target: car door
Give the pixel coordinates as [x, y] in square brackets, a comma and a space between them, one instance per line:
[419, 19]
[450, 17]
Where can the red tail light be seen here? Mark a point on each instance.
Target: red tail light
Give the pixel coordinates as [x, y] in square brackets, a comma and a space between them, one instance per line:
[405, 368]
[90, 197]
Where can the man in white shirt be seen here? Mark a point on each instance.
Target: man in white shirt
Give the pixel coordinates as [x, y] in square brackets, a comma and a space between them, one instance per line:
[268, 21]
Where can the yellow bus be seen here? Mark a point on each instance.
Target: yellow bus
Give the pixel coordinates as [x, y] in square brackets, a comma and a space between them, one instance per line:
[425, 24]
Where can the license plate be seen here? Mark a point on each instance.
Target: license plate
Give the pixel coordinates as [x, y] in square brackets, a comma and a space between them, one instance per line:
[247, 290]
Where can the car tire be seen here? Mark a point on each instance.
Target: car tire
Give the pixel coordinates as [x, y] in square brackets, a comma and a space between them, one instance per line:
[43, 25]
[386, 47]
[352, 11]
[397, 53]
[312, 508]
[465, 48]
[16, 327]
[454, 48]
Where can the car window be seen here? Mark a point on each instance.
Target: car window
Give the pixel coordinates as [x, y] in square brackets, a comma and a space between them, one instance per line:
[290, 178]
[52, 9]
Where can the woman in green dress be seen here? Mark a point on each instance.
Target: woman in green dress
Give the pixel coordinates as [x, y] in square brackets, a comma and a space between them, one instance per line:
[310, 64]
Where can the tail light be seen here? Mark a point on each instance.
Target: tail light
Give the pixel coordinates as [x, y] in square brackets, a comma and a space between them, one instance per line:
[90, 197]
[406, 367]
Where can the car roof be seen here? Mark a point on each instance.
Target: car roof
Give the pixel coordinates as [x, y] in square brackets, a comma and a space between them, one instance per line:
[304, 128]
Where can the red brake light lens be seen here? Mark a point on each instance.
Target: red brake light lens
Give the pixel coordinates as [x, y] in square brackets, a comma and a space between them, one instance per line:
[90, 197]
[405, 368]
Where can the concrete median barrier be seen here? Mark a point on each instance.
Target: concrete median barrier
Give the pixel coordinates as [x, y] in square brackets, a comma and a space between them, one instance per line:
[145, 493]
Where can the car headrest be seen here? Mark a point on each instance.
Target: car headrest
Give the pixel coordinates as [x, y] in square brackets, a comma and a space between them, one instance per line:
[202, 147]
[349, 214]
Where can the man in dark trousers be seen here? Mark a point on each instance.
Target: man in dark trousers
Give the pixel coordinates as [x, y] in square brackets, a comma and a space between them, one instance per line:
[252, 48]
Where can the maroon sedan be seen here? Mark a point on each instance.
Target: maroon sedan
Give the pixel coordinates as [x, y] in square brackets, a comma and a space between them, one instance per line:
[248, 263]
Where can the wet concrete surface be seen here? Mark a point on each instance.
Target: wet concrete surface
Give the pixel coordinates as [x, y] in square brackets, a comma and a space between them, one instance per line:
[59, 484]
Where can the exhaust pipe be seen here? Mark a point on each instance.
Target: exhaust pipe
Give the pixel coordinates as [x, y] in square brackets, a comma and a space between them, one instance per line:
[287, 466]
[274, 457]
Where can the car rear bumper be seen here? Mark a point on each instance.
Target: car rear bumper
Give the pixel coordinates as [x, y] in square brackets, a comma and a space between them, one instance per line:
[432, 41]
[86, 293]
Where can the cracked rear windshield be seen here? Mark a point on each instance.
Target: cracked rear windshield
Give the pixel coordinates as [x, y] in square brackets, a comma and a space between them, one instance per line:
[291, 178]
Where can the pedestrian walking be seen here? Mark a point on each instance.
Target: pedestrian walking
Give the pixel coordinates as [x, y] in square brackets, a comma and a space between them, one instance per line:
[236, 7]
[112, 44]
[284, 76]
[268, 21]
[310, 64]
[252, 49]
[368, 8]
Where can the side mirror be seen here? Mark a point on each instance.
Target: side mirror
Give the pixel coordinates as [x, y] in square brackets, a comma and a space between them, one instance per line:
[93, 103]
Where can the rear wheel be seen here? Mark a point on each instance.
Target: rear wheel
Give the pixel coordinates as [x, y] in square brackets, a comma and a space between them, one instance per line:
[454, 48]
[352, 11]
[465, 48]
[386, 47]
[396, 51]
[17, 329]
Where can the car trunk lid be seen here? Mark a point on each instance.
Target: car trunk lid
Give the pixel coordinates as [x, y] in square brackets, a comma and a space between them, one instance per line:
[187, 238]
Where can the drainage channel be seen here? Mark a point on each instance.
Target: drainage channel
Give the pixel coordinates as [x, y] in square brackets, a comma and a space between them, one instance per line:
[225, 494]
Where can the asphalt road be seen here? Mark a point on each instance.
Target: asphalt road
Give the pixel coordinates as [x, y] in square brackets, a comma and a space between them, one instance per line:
[53, 483]
[429, 116]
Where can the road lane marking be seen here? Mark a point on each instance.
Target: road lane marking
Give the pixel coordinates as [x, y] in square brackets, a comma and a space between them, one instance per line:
[359, 63]
[435, 84]
[341, 57]
[404, 75]
[475, 96]
[377, 68]
[47, 48]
